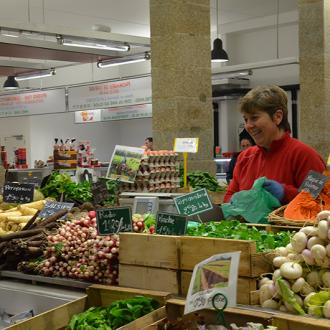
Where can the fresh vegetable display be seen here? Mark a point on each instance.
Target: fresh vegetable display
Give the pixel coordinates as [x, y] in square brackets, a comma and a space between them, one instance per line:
[76, 251]
[199, 179]
[301, 281]
[233, 229]
[144, 223]
[61, 187]
[114, 316]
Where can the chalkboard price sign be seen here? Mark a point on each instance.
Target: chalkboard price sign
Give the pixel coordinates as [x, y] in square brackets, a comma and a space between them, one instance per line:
[19, 193]
[314, 183]
[52, 207]
[171, 224]
[113, 220]
[193, 203]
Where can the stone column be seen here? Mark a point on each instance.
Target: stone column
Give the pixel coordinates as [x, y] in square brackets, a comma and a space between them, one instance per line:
[314, 58]
[181, 76]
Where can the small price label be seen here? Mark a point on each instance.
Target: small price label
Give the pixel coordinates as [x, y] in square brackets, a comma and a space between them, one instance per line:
[314, 183]
[113, 220]
[18, 192]
[53, 207]
[193, 203]
[171, 224]
[186, 145]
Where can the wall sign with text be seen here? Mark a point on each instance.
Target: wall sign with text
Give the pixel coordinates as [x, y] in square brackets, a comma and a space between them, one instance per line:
[110, 94]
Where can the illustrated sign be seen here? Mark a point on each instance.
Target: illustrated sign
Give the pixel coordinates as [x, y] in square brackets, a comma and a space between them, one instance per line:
[186, 145]
[113, 220]
[52, 207]
[110, 94]
[213, 283]
[33, 103]
[87, 116]
[18, 192]
[314, 183]
[193, 203]
[171, 224]
[125, 163]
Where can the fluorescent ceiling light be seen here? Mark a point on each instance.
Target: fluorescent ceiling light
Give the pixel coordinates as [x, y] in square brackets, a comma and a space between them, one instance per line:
[124, 60]
[35, 75]
[92, 43]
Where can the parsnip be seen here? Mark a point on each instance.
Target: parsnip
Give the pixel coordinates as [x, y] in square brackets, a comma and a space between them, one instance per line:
[19, 219]
[25, 210]
[39, 205]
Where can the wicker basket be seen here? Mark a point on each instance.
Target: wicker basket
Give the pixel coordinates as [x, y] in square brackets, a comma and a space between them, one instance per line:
[277, 218]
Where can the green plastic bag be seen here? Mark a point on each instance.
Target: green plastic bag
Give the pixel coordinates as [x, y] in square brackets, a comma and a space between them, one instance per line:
[253, 205]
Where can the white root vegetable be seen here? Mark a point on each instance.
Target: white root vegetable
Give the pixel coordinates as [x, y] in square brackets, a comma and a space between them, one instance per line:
[307, 298]
[326, 309]
[306, 289]
[278, 290]
[323, 263]
[328, 219]
[281, 251]
[298, 285]
[326, 279]
[318, 251]
[313, 279]
[276, 274]
[278, 261]
[310, 231]
[313, 241]
[290, 308]
[299, 241]
[266, 292]
[327, 248]
[323, 229]
[265, 280]
[270, 303]
[307, 256]
[323, 215]
[289, 248]
[297, 257]
[291, 270]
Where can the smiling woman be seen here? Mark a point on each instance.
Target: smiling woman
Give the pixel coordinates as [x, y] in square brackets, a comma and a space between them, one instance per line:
[283, 160]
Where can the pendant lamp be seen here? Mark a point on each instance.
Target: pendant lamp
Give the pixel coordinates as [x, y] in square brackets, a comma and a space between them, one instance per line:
[218, 54]
[10, 83]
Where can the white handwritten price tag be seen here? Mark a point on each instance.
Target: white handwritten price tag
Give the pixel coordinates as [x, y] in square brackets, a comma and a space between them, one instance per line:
[186, 145]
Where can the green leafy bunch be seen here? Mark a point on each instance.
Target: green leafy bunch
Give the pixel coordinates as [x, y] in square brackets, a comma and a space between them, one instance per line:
[60, 184]
[114, 316]
[233, 229]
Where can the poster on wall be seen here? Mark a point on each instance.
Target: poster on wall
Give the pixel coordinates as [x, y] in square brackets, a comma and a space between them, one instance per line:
[110, 94]
[125, 163]
[33, 103]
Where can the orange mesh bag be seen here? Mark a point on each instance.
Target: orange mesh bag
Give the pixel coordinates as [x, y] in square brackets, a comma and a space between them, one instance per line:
[303, 207]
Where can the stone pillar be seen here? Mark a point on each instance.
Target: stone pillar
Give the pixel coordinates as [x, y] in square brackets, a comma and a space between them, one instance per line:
[181, 76]
[314, 58]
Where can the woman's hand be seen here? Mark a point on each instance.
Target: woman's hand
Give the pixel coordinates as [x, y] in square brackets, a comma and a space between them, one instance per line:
[275, 188]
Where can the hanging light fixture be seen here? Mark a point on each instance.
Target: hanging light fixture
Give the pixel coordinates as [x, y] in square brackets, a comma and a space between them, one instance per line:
[10, 83]
[36, 74]
[124, 60]
[218, 54]
[92, 43]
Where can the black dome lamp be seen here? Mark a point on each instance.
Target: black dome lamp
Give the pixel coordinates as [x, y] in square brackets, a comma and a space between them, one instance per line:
[218, 54]
[10, 83]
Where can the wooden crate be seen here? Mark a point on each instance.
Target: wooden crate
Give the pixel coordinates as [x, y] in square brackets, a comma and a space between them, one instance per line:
[240, 316]
[150, 250]
[151, 278]
[295, 322]
[195, 249]
[97, 295]
[245, 288]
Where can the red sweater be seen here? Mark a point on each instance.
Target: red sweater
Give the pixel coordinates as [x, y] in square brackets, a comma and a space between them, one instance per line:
[287, 161]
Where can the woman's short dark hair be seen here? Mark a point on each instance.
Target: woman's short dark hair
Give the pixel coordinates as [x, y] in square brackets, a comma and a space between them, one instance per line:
[268, 99]
[150, 139]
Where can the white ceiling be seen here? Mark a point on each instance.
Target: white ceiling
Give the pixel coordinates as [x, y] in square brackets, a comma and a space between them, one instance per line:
[130, 17]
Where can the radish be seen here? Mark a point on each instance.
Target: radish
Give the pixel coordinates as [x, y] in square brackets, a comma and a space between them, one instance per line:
[291, 270]
[299, 241]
